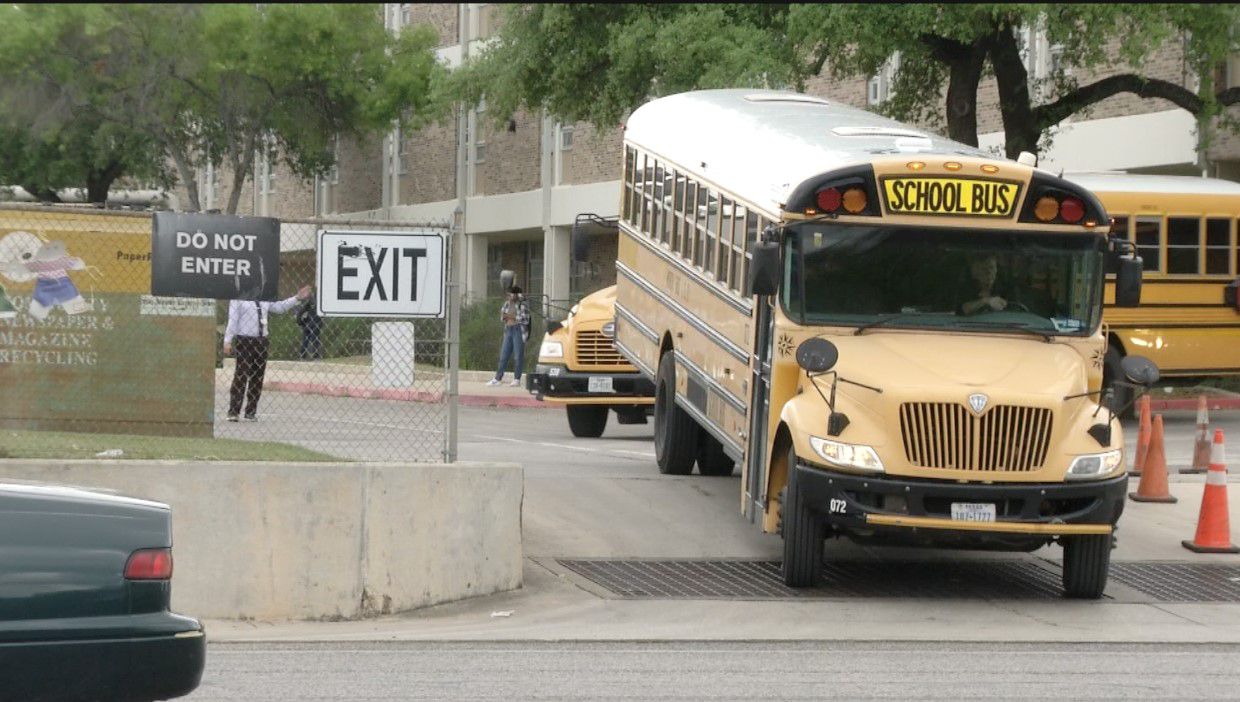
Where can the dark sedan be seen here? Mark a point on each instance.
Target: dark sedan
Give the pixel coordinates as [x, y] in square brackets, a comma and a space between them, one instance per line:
[85, 587]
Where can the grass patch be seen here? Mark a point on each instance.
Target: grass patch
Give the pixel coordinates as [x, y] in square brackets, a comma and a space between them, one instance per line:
[65, 445]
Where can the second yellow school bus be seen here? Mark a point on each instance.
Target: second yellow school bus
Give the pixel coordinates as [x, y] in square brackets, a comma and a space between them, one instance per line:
[1184, 229]
[898, 337]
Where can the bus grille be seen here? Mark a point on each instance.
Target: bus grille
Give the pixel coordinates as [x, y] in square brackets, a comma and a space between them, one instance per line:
[946, 435]
[594, 349]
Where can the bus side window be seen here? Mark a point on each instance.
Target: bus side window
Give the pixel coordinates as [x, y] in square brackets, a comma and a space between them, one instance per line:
[737, 254]
[712, 231]
[727, 211]
[699, 233]
[630, 201]
[1148, 237]
[690, 206]
[658, 223]
[1183, 244]
[1218, 246]
[1121, 230]
[677, 215]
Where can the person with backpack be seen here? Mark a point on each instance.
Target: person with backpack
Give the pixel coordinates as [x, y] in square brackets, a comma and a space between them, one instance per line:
[515, 316]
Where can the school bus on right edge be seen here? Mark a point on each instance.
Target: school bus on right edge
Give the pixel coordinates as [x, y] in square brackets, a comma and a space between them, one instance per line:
[898, 337]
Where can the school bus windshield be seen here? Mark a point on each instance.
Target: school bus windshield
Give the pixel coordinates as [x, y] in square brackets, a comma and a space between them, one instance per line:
[954, 279]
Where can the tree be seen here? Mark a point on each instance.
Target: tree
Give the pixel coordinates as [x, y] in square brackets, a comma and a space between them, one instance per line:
[218, 83]
[611, 58]
[957, 44]
[45, 146]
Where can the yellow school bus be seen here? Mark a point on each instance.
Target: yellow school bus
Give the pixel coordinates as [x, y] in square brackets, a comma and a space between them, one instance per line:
[899, 337]
[1184, 229]
[580, 368]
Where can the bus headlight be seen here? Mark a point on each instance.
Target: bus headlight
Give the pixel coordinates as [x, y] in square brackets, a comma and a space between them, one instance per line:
[847, 455]
[551, 349]
[1095, 465]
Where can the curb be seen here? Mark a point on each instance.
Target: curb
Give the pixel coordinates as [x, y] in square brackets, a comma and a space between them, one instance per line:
[404, 395]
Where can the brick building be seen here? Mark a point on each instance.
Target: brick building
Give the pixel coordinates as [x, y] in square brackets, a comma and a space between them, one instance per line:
[522, 185]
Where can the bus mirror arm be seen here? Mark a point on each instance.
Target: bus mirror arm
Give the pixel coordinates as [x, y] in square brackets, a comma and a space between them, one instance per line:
[1102, 432]
[837, 422]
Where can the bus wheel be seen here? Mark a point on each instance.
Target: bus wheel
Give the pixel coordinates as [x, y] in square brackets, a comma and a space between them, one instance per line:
[712, 459]
[1121, 396]
[675, 432]
[803, 533]
[1086, 561]
[587, 421]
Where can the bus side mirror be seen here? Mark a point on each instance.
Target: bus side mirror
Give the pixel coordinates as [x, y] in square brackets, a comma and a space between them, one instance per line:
[764, 269]
[1128, 282]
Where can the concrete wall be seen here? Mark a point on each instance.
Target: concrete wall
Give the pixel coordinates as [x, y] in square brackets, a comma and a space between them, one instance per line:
[320, 541]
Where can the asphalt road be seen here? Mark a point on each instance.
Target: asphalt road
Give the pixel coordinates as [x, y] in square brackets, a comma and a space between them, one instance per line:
[719, 670]
[587, 498]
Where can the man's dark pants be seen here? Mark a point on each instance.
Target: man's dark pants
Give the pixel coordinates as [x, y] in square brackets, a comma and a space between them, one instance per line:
[251, 352]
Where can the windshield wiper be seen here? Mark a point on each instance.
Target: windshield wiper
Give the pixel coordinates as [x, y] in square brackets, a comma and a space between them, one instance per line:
[882, 320]
[1013, 326]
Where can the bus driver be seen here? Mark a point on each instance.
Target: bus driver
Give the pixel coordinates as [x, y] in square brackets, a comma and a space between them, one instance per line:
[984, 270]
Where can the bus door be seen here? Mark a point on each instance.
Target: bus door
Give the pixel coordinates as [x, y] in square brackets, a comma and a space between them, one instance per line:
[759, 408]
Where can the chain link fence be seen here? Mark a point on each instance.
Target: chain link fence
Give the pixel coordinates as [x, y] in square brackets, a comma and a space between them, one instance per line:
[90, 360]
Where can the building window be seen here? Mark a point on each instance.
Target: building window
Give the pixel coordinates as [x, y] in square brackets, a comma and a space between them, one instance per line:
[266, 175]
[334, 173]
[402, 151]
[406, 14]
[566, 138]
[480, 152]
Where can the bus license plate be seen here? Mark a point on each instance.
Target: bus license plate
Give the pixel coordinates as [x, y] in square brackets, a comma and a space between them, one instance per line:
[600, 385]
[973, 511]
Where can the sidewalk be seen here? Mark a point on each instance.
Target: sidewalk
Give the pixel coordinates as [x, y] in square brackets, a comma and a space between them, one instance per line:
[355, 380]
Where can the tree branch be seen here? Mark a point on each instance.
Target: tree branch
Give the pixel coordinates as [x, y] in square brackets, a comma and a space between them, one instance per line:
[1049, 115]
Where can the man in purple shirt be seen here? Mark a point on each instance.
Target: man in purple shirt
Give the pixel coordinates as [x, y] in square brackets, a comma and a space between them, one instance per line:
[247, 327]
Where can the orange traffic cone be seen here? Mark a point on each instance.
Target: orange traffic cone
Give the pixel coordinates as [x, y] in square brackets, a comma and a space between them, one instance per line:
[1201, 449]
[1153, 487]
[1213, 531]
[1143, 436]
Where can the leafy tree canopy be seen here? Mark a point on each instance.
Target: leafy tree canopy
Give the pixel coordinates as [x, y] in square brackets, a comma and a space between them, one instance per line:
[216, 83]
[609, 59]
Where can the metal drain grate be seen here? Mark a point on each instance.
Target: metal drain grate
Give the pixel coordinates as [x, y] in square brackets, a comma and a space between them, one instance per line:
[761, 579]
[976, 579]
[1181, 582]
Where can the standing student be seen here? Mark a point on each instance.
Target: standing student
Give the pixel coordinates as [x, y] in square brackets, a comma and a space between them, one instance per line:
[247, 326]
[515, 317]
[311, 327]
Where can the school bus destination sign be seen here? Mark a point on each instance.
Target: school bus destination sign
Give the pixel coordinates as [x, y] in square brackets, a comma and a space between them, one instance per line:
[950, 196]
[223, 257]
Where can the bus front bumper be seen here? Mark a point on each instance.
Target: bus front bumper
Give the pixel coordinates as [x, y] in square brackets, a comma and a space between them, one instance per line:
[1026, 515]
[555, 383]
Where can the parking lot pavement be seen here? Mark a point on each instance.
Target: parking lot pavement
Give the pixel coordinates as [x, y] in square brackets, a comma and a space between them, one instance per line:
[604, 500]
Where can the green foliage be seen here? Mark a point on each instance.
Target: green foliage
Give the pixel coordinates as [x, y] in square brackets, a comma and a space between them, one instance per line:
[213, 83]
[609, 58]
[482, 333]
[612, 58]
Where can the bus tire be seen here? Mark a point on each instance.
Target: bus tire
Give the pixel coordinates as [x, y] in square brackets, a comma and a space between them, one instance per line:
[675, 432]
[587, 421]
[1121, 396]
[712, 460]
[803, 533]
[1086, 562]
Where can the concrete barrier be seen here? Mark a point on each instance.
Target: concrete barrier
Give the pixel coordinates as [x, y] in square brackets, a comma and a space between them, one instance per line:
[320, 541]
